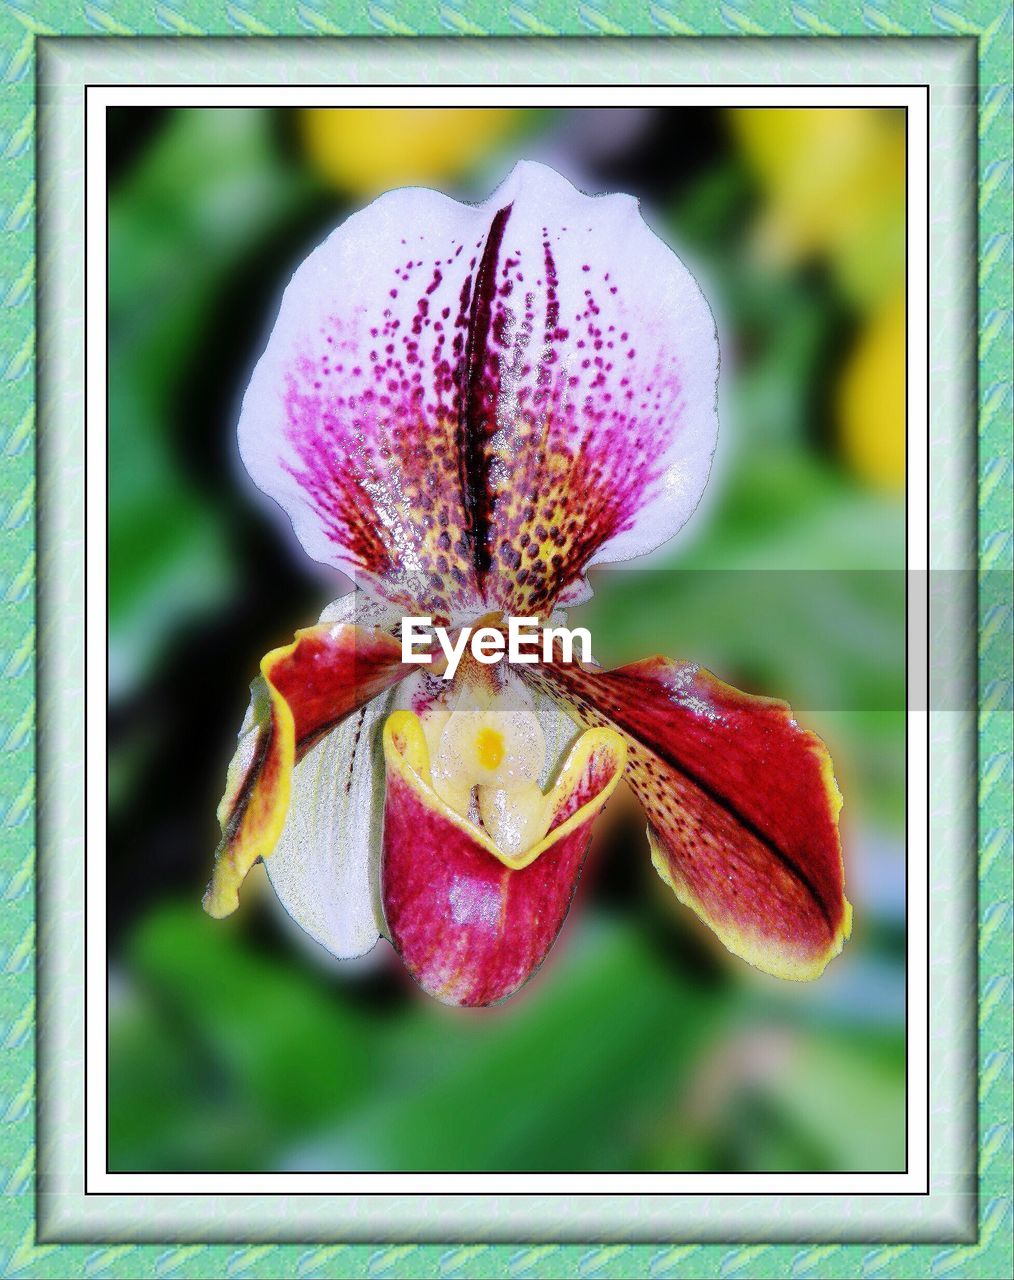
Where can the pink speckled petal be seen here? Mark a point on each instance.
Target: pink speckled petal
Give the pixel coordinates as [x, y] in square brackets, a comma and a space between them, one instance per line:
[464, 406]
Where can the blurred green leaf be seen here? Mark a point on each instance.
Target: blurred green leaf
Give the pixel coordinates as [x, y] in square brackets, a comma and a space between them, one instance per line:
[848, 1096]
[267, 1049]
[257, 1062]
[562, 1078]
[208, 188]
[784, 509]
[775, 1099]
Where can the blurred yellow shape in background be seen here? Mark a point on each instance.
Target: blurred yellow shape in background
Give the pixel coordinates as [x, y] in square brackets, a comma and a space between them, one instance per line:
[834, 188]
[834, 181]
[871, 397]
[367, 150]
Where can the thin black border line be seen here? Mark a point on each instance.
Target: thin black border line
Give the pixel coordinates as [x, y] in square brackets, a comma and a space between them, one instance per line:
[559, 1173]
[87, 273]
[975, 315]
[908, 842]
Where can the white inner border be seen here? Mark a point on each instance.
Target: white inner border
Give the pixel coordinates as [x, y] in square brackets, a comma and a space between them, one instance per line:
[97, 1179]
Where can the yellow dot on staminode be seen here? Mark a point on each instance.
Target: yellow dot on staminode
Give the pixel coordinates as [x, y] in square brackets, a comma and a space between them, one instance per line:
[489, 747]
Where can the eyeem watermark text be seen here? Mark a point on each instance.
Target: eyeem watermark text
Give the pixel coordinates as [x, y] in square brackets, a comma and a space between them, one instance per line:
[525, 641]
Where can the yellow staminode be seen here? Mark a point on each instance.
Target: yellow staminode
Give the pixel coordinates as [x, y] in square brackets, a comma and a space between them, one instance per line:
[490, 750]
[516, 819]
[489, 747]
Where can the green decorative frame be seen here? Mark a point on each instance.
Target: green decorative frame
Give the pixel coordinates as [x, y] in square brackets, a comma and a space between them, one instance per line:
[988, 23]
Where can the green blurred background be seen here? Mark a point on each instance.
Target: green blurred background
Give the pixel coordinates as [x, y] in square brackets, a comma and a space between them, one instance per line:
[641, 1045]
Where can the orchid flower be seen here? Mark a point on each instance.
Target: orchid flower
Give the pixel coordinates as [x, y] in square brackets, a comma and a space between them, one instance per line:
[463, 408]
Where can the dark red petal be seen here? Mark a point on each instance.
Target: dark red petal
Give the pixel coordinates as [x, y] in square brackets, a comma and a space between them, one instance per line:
[470, 928]
[742, 805]
[305, 689]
